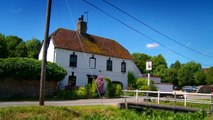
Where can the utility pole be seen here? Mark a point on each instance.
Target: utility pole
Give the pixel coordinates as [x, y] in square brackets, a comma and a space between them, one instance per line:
[44, 59]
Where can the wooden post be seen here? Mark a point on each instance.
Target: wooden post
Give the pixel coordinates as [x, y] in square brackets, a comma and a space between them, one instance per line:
[158, 97]
[136, 95]
[175, 100]
[44, 59]
[185, 99]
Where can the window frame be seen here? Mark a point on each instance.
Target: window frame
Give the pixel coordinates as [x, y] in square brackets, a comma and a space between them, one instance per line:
[90, 62]
[123, 66]
[73, 63]
[109, 65]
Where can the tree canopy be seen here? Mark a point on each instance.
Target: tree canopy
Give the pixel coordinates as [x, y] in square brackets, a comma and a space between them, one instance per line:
[13, 46]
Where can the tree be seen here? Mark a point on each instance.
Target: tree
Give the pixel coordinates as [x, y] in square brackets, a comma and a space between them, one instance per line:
[171, 75]
[12, 42]
[200, 77]
[3, 47]
[209, 79]
[20, 50]
[187, 72]
[140, 61]
[33, 48]
[159, 66]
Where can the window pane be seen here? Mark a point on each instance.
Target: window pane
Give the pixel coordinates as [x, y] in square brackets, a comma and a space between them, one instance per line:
[92, 63]
[73, 60]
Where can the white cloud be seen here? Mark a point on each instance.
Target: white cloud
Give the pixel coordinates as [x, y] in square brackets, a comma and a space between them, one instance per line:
[152, 45]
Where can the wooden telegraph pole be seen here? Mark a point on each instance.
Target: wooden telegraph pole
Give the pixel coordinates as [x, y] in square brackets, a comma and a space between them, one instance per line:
[44, 59]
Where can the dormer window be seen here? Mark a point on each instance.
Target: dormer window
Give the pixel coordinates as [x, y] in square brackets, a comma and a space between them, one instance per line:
[123, 67]
[92, 62]
[109, 65]
[73, 60]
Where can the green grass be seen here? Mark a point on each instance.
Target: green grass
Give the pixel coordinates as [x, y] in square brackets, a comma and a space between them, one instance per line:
[92, 113]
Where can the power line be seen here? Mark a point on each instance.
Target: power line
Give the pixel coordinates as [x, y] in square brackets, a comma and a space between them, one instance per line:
[139, 31]
[193, 50]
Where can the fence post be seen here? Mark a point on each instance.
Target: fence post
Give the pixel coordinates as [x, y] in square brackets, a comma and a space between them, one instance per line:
[185, 99]
[136, 96]
[211, 102]
[175, 99]
[158, 97]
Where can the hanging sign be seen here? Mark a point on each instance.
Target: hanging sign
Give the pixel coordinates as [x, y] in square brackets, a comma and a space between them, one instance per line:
[149, 65]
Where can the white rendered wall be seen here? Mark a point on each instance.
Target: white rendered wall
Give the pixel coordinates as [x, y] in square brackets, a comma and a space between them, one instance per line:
[82, 69]
[62, 58]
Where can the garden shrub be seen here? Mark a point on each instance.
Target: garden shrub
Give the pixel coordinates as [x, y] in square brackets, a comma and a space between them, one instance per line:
[141, 84]
[118, 90]
[29, 68]
[66, 94]
[91, 90]
[81, 92]
[110, 89]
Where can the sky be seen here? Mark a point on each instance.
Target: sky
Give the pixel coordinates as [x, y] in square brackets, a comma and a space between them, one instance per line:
[188, 24]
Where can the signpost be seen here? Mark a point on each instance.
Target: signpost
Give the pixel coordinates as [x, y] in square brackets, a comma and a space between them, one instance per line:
[149, 68]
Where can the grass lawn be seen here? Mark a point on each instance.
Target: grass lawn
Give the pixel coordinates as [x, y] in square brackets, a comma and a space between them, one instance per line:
[92, 113]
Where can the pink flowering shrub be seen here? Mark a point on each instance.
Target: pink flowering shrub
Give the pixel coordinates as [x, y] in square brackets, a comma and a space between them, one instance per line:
[100, 84]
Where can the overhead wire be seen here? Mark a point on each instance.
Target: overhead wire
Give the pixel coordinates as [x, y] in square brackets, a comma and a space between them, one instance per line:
[82, 47]
[140, 33]
[157, 31]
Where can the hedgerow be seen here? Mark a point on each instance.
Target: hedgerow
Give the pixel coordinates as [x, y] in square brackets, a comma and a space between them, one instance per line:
[29, 68]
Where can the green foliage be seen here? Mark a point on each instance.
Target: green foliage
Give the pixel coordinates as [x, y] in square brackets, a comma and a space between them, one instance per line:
[110, 89]
[118, 90]
[27, 68]
[91, 90]
[93, 113]
[13, 46]
[33, 48]
[131, 80]
[140, 61]
[209, 78]
[81, 92]
[66, 94]
[200, 77]
[187, 72]
[142, 84]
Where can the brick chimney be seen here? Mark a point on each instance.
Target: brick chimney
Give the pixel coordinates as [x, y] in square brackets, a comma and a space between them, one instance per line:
[82, 25]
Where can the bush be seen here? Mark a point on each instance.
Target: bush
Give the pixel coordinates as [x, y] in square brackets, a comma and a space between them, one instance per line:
[118, 90]
[131, 80]
[91, 90]
[81, 92]
[29, 68]
[141, 84]
[66, 94]
[110, 89]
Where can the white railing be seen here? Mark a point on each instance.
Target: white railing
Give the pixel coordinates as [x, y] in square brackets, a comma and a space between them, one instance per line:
[175, 96]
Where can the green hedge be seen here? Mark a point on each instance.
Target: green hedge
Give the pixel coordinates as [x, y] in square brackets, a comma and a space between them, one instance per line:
[29, 68]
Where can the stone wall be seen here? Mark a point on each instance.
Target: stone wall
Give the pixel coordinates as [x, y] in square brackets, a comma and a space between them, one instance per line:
[11, 88]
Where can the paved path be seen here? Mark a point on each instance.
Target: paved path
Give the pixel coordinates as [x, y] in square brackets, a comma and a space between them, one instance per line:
[79, 102]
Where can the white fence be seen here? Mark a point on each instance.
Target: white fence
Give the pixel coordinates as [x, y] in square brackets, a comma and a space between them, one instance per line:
[175, 96]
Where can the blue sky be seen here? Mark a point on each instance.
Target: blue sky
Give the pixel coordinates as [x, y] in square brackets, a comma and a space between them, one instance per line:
[188, 22]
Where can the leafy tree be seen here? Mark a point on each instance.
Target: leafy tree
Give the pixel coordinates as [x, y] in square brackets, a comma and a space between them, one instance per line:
[3, 47]
[33, 48]
[12, 42]
[159, 66]
[209, 79]
[20, 50]
[140, 61]
[187, 72]
[171, 75]
[200, 77]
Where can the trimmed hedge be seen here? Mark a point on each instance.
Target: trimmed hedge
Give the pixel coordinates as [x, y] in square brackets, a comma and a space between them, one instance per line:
[29, 68]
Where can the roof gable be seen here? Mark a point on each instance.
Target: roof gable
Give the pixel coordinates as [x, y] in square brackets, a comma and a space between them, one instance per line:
[69, 39]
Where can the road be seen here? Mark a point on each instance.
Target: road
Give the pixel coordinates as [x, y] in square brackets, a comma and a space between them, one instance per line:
[79, 102]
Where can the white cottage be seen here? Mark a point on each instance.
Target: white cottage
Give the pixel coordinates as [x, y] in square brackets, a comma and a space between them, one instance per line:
[86, 56]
